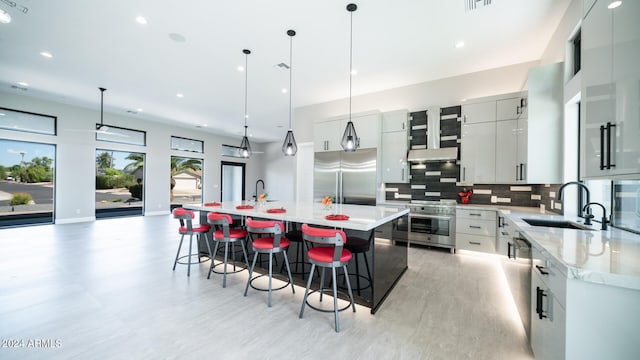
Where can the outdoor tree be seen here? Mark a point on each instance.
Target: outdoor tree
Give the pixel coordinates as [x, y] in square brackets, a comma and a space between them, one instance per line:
[137, 162]
[104, 160]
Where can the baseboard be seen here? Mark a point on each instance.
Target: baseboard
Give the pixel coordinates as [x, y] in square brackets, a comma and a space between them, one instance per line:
[75, 220]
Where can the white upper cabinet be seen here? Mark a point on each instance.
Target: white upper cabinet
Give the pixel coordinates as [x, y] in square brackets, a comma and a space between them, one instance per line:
[394, 147]
[328, 134]
[478, 152]
[395, 121]
[610, 106]
[479, 112]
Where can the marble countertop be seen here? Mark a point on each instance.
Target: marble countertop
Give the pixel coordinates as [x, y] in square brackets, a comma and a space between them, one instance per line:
[608, 257]
[361, 217]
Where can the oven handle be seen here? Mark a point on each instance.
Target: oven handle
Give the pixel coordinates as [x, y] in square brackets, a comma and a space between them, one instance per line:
[439, 217]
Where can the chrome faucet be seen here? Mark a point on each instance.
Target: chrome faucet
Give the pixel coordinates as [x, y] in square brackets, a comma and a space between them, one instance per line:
[605, 219]
[255, 194]
[587, 215]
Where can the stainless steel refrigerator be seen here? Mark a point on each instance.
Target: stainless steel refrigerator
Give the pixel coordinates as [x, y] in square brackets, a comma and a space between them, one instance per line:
[348, 176]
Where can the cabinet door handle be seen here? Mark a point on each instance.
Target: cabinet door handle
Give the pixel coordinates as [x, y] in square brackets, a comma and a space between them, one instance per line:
[474, 214]
[521, 172]
[475, 227]
[517, 173]
[474, 243]
[509, 247]
[541, 270]
[539, 296]
[500, 221]
[609, 126]
[464, 173]
[602, 147]
[402, 174]
[402, 126]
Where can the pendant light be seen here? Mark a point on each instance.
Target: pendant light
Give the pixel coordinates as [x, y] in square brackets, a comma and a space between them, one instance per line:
[289, 146]
[350, 141]
[245, 147]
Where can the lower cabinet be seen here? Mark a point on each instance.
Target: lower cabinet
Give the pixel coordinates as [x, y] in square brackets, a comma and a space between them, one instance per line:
[476, 230]
[548, 316]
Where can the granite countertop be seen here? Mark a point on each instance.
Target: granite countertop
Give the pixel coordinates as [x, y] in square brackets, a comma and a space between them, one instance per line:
[608, 257]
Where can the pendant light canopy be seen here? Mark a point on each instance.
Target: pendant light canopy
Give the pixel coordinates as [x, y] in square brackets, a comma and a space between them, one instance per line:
[350, 141]
[289, 146]
[245, 147]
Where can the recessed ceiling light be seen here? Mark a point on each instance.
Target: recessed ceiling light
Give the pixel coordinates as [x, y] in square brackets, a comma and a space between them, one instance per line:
[5, 18]
[2, 114]
[141, 20]
[180, 95]
[463, 100]
[354, 72]
[139, 110]
[22, 83]
[614, 4]
[240, 68]
[459, 44]
[284, 91]
[46, 54]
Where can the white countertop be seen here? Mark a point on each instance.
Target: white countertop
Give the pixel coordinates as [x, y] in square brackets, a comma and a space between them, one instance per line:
[361, 217]
[609, 257]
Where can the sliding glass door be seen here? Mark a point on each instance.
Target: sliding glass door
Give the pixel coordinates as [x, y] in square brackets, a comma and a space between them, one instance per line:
[119, 183]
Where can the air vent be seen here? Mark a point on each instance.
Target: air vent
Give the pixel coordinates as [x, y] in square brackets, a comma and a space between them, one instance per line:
[132, 112]
[18, 87]
[470, 5]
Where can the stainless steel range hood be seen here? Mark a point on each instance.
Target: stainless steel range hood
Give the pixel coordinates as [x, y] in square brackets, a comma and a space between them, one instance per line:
[442, 154]
[433, 152]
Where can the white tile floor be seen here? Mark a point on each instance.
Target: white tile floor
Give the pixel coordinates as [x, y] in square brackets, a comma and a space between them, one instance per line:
[106, 290]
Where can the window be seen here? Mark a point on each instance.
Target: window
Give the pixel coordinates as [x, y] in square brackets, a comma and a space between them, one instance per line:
[186, 181]
[27, 172]
[576, 47]
[119, 185]
[121, 135]
[27, 122]
[178, 143]
[231, 151]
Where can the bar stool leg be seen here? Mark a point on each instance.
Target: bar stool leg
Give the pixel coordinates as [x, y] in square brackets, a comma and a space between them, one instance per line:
[253, 265]
[189, 268]
[321, 283]
[335, 298]
[178, 253]
[286, 262]
[217, 243]
[270, 276]
[224, 275]
[306, 291]
[346, 275]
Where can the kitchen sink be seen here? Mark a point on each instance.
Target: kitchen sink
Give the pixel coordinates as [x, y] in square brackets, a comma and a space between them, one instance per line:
[556, 223]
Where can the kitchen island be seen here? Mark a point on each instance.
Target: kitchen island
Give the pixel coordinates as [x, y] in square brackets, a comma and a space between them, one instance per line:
[388, 259]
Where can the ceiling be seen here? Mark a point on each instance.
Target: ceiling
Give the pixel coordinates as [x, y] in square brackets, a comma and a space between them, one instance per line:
[395, 43]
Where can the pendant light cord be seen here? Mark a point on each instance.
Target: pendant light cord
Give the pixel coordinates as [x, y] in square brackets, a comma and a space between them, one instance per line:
[290, 75]
[350, 62]
[246, 81]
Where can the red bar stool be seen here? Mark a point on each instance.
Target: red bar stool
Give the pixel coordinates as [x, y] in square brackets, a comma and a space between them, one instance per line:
[276, 243]
[330, 254]
[223, 233]
[187, 228]
[360, 246]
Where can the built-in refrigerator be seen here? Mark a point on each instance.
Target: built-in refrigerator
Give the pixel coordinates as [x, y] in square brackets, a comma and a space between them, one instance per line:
[350, 177]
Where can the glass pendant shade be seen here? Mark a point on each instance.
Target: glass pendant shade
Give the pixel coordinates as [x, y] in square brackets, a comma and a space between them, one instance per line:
[289, 146]
[350, 140]
[245, 147]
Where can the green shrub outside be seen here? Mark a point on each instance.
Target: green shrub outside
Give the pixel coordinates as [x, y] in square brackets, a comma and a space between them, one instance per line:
[136, 191]
[114, 181]
[20, 199]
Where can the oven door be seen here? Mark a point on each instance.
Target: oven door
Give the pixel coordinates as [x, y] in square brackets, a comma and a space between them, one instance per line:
[432, 229]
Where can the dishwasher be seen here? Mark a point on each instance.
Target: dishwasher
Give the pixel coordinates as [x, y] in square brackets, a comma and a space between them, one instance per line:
[517, 270]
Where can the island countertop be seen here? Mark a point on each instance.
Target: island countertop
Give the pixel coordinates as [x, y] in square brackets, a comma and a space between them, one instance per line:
[361, 217]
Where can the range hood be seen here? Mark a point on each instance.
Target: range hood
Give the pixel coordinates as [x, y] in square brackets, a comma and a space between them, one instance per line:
[433, 151]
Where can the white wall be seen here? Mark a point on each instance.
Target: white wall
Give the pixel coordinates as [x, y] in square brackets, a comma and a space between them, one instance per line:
[75, 156]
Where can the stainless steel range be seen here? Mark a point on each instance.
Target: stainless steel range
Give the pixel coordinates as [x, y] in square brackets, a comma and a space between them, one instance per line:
[433, 223]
